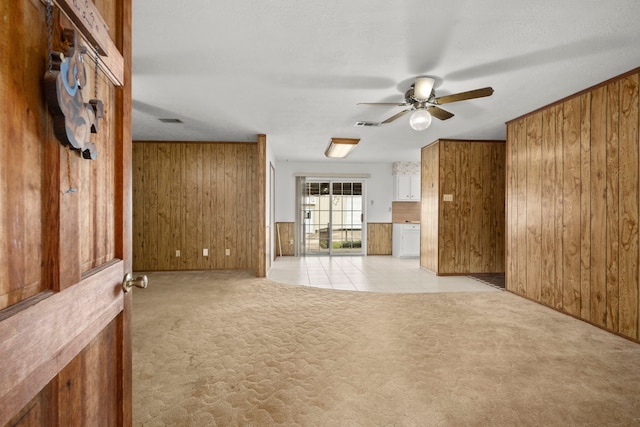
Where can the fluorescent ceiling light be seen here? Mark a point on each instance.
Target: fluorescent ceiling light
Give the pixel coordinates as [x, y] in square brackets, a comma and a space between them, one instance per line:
[340, 147]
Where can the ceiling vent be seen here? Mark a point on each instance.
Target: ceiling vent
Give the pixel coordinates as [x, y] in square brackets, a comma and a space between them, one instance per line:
[171, 120]
[367, 124]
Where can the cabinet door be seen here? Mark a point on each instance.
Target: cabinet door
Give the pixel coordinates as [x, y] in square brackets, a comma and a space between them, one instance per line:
[403, 187]
[414, 183]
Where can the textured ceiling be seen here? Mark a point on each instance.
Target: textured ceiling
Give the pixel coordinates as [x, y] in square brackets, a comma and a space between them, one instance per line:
[295, 69]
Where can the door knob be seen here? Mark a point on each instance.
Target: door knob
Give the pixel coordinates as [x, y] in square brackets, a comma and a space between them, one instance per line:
[129, 282]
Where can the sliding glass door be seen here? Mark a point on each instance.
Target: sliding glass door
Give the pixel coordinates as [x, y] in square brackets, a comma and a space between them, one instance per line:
[331, 217]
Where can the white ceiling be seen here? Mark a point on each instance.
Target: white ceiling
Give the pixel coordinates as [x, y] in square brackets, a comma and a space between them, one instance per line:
[295, 69]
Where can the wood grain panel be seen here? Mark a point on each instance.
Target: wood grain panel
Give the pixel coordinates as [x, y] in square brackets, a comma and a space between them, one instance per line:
[447, 249]
[24, 125]
[429, 187]
[203, 197]
[402, 212]
[585, 206]
[498, 178]
[379, 238]
[534, 206]
[559, 180]
[477, 228]
[150, 202]
[548, 205]
[571, 213]
[628, 170]
[175, 204]
[137, 158]
[511, 203]
[468, 232]
[164, 236]
[86, 393]
[285, 232]
[463, 205]
[521, 201]
[591, 189]
[258, 221]
[613, 203]
[598, 196]
[219, 232]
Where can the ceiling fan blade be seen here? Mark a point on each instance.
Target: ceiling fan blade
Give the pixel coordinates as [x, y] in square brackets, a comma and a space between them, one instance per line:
[478, 93]
[396, 116]
[439, 113]
[388, 104]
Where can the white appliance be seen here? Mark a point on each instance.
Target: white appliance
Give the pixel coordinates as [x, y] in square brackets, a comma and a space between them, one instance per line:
[406, 240]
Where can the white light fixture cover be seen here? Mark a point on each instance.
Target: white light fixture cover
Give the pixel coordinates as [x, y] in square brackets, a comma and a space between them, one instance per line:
[422, 88]
[420, 119]
[340, 147]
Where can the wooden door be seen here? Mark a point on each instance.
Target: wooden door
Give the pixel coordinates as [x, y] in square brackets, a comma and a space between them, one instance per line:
[65, 357]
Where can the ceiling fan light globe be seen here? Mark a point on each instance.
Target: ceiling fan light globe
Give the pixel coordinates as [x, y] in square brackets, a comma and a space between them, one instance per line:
[420, 120]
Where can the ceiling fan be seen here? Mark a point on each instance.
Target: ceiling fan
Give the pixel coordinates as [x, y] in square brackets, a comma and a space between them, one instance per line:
[422, 100]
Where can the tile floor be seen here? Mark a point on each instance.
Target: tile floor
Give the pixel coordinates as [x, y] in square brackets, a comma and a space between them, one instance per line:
[369, 273]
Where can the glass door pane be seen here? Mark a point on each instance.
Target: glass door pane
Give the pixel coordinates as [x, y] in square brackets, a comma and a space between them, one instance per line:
[347, 218]
[332, 216]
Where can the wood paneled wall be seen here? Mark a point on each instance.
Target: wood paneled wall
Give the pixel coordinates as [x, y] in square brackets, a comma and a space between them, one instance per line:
[468, 232]
[379, 238]
[285, 232]
[574, 205]
[190, 197]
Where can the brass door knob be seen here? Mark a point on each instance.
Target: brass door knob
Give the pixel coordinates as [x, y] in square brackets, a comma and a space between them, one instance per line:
[129, 282]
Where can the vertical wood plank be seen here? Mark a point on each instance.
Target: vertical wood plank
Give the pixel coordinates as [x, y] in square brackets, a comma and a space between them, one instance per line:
[230, 211]
[571, 207]
[629, 185]
[548, 274]
[498, 176]
[613, 204]
[598, 193]
[533, 201]
[448, 251]
[559, 208]
[164, 236]
[220, 214]
[429, 212]
[521, 195]
[207, 204]
[261, 194]
[175, 193]
[464, 205]
[150, 197]
[138, 206]
[585, 206]
[511, 223]
[477, 223]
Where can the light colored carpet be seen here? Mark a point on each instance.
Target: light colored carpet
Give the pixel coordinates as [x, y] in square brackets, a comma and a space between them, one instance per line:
[227, 349]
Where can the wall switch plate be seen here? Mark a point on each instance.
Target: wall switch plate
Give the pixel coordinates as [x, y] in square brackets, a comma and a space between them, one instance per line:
[177, 253]
[447, 197]
[205, 252]
[227, 252]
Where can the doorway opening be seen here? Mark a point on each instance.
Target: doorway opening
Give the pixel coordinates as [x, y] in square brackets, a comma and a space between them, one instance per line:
[331, 217]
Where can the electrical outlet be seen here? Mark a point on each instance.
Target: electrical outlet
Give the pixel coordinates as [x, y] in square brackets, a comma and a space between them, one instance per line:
[177, 253]
[205, 252]
[447, 197]
[227, 252]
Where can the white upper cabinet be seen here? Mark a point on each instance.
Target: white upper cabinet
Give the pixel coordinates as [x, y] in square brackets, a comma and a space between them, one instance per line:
[407, 187]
